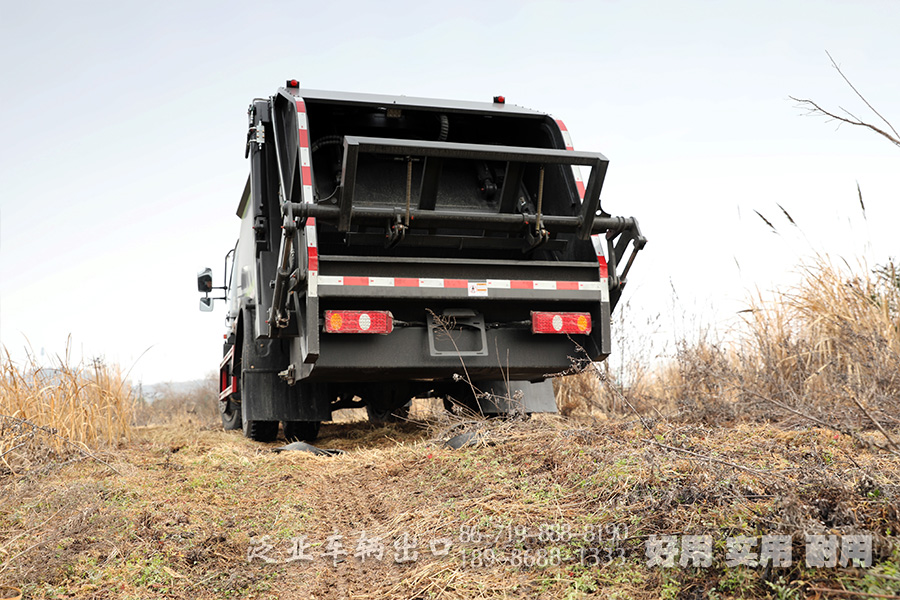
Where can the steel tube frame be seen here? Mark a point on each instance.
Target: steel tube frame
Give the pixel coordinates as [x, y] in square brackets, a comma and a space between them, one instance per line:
[436, 151]
[429, 219]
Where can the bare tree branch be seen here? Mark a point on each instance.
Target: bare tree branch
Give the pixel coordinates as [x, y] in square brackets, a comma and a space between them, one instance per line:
[832, 426]
[850, 118]
[815, 108]
[861, 97]
[874, 422]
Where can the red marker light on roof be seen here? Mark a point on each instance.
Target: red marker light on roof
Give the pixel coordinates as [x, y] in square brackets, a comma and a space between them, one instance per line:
[560, 322]
[293, 83]
[499, 100]
[359, 321]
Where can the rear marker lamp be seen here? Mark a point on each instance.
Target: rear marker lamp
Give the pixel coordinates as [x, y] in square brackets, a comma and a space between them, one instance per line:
[357, 321]
[560, 322]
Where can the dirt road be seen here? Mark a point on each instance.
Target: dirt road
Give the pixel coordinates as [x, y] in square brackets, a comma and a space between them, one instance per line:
[539, 509]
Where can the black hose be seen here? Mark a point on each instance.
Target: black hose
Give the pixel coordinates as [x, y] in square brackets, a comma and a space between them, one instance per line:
[328, 140]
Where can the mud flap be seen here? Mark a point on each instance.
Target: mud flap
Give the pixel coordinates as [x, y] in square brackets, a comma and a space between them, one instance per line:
[518, 396]
[274, 400]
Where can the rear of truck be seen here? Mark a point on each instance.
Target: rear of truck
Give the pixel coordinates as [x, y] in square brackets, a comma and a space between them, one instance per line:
[396, 246]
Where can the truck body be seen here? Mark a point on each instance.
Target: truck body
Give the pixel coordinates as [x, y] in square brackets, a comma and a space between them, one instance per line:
[393, 247]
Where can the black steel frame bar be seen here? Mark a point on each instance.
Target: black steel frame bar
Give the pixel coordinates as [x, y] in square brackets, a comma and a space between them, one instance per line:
[354, 145]
[447, 218]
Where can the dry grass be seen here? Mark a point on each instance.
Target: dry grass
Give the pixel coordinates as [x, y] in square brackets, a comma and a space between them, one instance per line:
[190, 406]
[49, 413]
[827, 349]
[180, 517]
[831, 343]
[579, 394]
[182, 504]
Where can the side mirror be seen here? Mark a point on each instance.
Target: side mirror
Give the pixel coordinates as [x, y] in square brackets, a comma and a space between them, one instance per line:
[204, 281]
[206, 304]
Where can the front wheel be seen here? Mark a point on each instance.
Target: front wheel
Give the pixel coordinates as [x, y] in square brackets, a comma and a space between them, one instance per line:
[304, 431]
[231, 414]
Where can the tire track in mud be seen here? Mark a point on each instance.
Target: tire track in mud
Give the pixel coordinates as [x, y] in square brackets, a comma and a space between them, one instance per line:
[365, 491]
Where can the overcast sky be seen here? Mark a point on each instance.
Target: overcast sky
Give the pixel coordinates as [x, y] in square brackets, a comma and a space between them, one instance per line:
[125, 125]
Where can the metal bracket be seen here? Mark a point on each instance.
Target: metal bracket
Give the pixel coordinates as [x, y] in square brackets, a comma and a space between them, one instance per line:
[617, 241]
[534, 239]
[288, 374]
[260, 230]
[453, 320]
[255, 135]
[260, 137]
[398, 232]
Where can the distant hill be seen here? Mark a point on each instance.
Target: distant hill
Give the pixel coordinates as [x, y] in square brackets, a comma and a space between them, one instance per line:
[153, 391]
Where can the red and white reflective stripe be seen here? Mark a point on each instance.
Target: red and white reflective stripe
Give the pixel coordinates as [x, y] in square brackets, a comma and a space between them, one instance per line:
[305, 160]
[579, 182]
[576, 170]
[596, 240]
[425, 282]
[312, 247]
[565, 133]
[227, 380]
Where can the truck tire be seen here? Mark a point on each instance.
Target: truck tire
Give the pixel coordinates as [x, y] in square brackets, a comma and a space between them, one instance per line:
[387, 402]
[231, 414]
[380, 415]
[261, 431]
[230, 407]
[303, 431]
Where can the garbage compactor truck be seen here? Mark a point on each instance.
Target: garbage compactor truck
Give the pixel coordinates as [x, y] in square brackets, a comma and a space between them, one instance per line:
[394, 247]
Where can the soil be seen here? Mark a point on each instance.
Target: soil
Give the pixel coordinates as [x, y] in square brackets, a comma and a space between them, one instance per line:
[546, 508]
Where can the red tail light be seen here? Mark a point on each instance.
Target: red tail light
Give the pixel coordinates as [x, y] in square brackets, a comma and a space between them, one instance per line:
[560, 322]
[358, 321]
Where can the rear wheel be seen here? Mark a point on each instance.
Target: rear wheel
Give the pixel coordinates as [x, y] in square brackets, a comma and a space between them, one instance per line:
[378, 414]
[304, 431]
[261, 431]
[387, 402]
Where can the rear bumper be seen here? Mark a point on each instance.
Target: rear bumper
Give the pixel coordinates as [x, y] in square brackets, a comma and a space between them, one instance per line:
[501, 293]
[404, 354]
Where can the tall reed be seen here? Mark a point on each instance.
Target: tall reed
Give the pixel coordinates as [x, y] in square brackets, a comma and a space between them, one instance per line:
[91, 405]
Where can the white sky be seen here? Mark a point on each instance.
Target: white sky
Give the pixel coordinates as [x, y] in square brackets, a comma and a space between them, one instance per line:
[125, 125]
